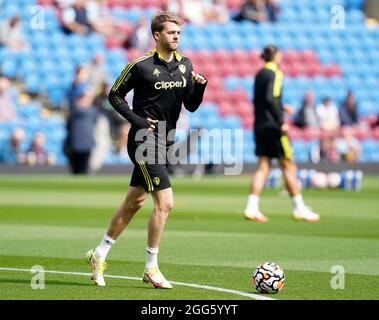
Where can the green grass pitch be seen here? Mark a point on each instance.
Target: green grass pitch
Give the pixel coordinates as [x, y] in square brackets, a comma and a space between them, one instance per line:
[52, 221]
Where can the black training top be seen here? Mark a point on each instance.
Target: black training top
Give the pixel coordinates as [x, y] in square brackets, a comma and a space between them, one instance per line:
[160, 88]
[268, 108]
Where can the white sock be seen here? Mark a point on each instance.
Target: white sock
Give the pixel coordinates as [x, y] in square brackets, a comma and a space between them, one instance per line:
[252, 203]
[105, 245]
[298, 201]
[151, 258]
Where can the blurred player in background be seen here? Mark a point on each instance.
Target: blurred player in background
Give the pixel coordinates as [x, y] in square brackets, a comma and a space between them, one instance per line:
[271, 139]
[162, 80]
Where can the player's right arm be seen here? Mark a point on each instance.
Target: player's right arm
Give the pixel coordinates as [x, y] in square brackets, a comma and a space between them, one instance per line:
[124, 83]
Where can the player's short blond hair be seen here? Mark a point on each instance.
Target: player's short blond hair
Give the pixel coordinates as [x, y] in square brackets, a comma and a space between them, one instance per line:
[158, 21]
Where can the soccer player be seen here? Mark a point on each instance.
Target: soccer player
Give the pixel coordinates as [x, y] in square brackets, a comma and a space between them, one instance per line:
[271, 139]
[162, 80]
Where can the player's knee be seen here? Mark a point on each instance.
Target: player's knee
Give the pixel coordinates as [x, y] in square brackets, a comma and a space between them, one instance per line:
[165, 206]
[139, 204]
[170, 204]
[263, 171]
[133, 206]
[287, 164]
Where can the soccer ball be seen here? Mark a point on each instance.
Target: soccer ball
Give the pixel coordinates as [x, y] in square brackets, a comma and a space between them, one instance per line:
[320, 180]
[334, 180]
[268, 278]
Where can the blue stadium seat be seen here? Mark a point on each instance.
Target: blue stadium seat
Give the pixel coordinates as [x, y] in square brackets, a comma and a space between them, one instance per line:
[42, 53]
[247, 28]
[288, 14]
[301, 156]
[232, 82]
[216, 42]
[81, 55]
[32, 83]
[9, 68]
[9, 10]
[58, 41]
[284, 41]
[210, 30]
[355, 16]
[38, 39]
[30, 110]
[63, 54]
[134, 14]
[76, 41]
[53, 84]
[47, 66]
[114, 56]
[232, 122]
[209, 110]
[56, 96]
[234, 41]
[366, 107]
[198, 42]
[229, 29]
[95, 42]
[195, 121]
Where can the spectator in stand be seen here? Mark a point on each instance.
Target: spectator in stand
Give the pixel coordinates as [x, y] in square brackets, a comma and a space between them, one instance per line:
[12, 36]
[349, 111]
[217, 11]
[80, 127]
[64, 3]
[348, 147]
[13, 151]
[104, 107]
[327, 114]
[253, 10]
[328, 149]
[75, 18]
[174, 6]
[37, 154]
[80, 81]
[7, 105]
[140, 37]
[101, 19]
[307, 115]
[97, 72]
[273, 10]
[103, 143]
[122, 140]
[193, 11]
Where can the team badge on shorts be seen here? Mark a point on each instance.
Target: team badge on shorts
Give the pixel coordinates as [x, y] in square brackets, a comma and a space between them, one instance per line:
[157, 181]
[182, 68]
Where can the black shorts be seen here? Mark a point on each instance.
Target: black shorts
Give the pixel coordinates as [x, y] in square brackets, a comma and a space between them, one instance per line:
[150, 173]
[273, 144]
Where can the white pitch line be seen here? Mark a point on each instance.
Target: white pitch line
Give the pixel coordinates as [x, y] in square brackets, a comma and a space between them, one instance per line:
[193, 285]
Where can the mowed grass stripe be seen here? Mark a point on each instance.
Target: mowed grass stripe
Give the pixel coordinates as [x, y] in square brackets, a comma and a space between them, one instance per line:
[28, 240]
[231, 185]
[299, 284]
[107, 276]
[272, 203]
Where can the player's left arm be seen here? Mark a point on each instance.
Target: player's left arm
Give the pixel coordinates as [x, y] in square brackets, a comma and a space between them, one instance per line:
[193, 96]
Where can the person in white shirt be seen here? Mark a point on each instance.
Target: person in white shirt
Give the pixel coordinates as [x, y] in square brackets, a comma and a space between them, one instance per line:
[327, 113]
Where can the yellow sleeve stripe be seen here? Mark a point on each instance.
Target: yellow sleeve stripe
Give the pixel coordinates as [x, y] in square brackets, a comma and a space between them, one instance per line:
[127, 69]
[286, 147]
[146, 175]
[278, 83]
